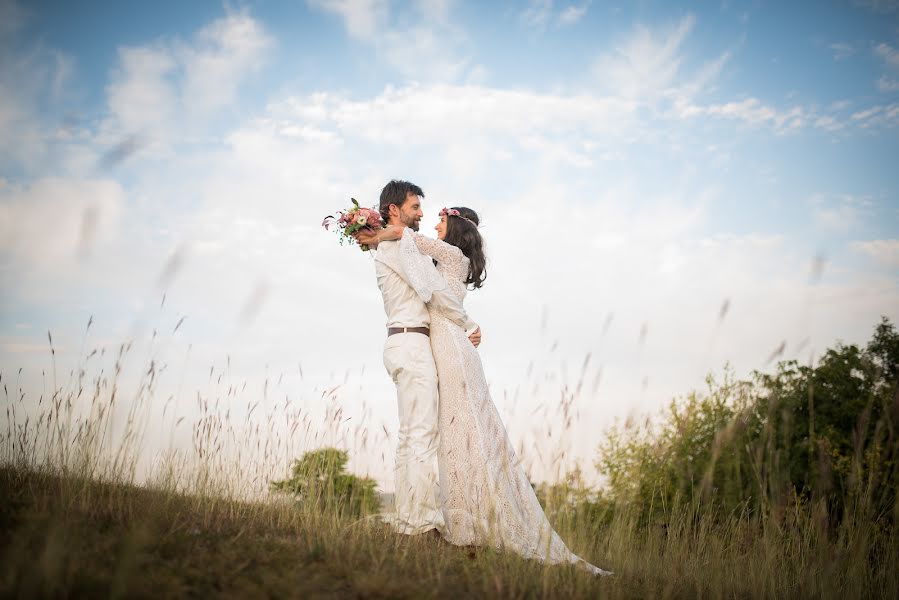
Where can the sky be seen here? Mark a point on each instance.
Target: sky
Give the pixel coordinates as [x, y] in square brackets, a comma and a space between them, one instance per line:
[666, 188]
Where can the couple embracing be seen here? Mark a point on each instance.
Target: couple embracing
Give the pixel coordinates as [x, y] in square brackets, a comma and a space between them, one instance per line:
[456, 470]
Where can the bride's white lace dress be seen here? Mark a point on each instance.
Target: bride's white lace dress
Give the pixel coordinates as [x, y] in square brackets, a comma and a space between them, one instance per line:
[485, 494]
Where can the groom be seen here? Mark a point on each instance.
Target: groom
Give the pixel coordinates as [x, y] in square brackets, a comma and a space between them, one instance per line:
[408, 359]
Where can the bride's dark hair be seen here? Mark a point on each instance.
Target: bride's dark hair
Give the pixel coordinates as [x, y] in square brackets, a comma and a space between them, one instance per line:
[465, 236]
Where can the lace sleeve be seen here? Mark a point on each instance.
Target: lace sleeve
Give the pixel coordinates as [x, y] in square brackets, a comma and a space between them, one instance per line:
[420, 272]
[436, 249]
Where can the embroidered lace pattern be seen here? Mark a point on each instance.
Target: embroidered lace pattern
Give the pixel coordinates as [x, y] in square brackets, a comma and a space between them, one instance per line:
[486, 496]
[419, 270]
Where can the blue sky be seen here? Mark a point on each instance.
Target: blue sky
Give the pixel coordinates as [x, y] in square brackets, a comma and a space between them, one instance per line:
[642, 163]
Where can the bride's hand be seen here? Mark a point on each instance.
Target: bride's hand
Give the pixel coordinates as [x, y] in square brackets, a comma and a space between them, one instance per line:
[390, 232]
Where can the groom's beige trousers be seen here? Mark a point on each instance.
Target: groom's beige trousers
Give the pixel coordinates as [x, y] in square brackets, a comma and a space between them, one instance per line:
[408, 359]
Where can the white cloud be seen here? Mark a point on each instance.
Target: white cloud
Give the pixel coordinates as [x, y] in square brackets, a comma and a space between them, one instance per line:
[841, 213]
[573, 14]
[646, 63]
[842, 50]
[33, 77]
[435, 10]
[415, 114]
[887, 84]
[828, 123]
[864, 115]
[890, 57]
[422, 53]
[555, 151]
[703, 78]
[427, 47]
[362, 18]
[649, 66]
[222, 54]
[51, 223]
[142, 96]
[751, 111]
[883, 251]
[889, 54]
[839, 105]
[166, 90]
[877, 116]
[309, 133]
[540, 14]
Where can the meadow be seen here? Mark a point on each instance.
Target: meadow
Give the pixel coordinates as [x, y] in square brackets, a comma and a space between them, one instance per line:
[780, 485]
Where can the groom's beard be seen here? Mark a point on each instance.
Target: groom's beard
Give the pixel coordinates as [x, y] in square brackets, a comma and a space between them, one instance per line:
[412, 224]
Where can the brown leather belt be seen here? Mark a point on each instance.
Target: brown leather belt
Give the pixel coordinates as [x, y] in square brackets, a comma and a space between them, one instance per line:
[395, 330]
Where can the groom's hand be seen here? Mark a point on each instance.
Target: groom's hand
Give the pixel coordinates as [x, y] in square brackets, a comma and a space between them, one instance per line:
[475, 337]
[367, 237]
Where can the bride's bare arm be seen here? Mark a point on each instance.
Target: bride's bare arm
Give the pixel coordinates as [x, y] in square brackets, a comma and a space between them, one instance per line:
[390, 232]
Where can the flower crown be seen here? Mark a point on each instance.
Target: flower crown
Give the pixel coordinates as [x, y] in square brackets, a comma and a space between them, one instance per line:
[452, 212]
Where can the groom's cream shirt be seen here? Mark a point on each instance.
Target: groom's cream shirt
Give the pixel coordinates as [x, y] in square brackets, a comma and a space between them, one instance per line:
[403, 306]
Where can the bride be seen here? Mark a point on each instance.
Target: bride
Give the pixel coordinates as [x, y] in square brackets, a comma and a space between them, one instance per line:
[486, 496]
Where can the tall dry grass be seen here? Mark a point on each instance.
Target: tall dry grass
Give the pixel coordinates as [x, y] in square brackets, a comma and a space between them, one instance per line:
[77, 520]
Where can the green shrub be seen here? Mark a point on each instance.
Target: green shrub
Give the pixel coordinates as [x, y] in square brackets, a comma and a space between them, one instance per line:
[319, 481]
[822, 434]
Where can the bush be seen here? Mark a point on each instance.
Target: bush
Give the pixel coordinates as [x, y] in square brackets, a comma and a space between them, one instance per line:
[319, 481]
[822, 435]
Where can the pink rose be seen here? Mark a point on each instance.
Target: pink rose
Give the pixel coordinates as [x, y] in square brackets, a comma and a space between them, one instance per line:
[374, 217]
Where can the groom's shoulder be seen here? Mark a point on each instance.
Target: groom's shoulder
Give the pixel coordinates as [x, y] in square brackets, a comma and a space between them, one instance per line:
[386, 253]
[386, 248]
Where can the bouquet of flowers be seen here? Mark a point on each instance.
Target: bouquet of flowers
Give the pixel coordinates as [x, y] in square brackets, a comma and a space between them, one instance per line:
[354, 219]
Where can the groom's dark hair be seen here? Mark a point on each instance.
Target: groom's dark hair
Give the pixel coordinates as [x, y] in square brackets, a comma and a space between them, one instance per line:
[396, 192]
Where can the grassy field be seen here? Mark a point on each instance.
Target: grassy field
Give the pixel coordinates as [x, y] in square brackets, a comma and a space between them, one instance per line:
[74, 522]
[73, 537]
